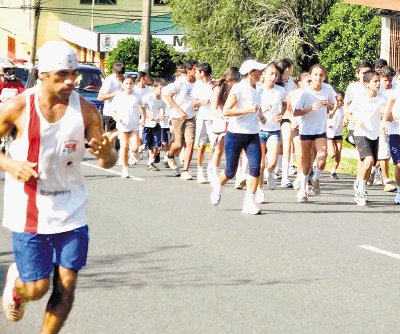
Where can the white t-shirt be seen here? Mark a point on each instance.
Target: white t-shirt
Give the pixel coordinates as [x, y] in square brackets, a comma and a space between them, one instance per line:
[203, 91]
[127, 108]
[182, 90]
[394, 127]
[389, 93]
[110, 85]
[335, 124]
[368, 110]
[271, 105]
[154, 107]
[353, 90]
[246, 96]
[289, 85]
[314, 122]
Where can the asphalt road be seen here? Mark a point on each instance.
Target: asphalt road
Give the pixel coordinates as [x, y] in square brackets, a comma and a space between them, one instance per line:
[163, 260]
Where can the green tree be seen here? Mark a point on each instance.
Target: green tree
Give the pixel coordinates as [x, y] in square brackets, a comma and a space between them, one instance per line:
[225, 32]
[350, 34]
[162, 57]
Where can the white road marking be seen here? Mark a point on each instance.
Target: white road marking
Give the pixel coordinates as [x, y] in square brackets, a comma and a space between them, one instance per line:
[380, 251]
[133, 178]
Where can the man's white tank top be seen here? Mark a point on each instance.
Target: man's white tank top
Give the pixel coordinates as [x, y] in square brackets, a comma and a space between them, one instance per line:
[57, 201]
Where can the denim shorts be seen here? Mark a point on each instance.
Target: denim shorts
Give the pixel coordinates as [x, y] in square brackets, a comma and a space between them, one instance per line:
[36, 254]
[273, 135]
[151, 137]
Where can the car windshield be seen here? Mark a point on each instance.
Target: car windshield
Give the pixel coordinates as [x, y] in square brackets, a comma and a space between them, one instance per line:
[89, 79]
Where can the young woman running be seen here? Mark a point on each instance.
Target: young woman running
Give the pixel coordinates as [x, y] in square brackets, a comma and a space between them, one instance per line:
[243, 109]
[273, 104]
[313, 106]
[365, 113]
[219, 125]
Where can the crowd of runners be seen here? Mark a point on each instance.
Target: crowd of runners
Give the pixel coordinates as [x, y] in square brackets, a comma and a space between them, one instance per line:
[262, 118]
[269, 124]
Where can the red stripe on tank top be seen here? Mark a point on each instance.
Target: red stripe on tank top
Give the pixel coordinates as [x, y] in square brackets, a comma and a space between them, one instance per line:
[30, 187]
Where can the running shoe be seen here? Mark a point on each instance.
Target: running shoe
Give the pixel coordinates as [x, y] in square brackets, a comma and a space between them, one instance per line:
[271, 183]
[153, 167]
[249, 208]
[315, 188]
[302, 196]
[172, 163]
[185, 175]
[13, 310]
[286, 184]
[334, 176]
[360, 198]
[201, 178]
[260, 196]
[397, 198]
[125, 173]
[240, 183]
[292, 170]
[278, 173]
[215, 196]
[390, 187]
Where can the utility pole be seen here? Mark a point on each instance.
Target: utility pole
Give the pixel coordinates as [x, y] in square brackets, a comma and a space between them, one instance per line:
[144, 51]
[35, 30]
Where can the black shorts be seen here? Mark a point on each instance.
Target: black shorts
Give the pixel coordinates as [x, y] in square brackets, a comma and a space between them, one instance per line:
[313, 137]
[367, 147]
[109, 123]
[336, 138]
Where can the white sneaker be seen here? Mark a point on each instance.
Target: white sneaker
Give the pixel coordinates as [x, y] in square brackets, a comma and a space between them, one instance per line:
[296, 183]
[271, 183]
[292, 170]
[286, 184]
[12, 310]
[302, 196]
[200, 178]
[250, 208]
[216, 193]
[185, 175]
[172, 163]
[397, 198]
[260, 196]
[360, 198]
[134, 159]
[377, 178]
[240, 183]
[315, 188]
[125, 172]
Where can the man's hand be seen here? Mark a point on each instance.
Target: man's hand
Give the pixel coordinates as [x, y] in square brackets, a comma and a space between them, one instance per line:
[102, 147]
[23, 170]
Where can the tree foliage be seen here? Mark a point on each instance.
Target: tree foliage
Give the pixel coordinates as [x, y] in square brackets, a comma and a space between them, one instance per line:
[225, 32]
[162, 57]
[351, 33]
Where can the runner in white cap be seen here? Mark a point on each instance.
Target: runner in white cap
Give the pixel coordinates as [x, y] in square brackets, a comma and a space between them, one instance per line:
[243, 109]
[45, 195]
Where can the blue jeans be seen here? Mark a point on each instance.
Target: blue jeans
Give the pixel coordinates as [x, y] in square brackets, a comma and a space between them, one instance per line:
[234, 143]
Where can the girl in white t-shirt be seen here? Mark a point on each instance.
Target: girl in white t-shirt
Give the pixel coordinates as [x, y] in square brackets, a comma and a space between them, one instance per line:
[273, 105]
[365, 113]
[313, 107]
[303, 81]
[126, 109]
[334, 133]
[243, 109]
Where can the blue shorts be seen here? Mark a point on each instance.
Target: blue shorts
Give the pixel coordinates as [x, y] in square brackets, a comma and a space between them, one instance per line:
[36, 254]
[265, 135]
[152, 137]
[394, 143]
[166, 135]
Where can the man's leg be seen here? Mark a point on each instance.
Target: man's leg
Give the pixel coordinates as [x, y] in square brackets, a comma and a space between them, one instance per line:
[61, 299]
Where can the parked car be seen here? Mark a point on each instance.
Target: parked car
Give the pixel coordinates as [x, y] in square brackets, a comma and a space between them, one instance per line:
[88, 83]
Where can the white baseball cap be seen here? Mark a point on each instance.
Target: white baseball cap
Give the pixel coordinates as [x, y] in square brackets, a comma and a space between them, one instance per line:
[56, 55]
[249, 65]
